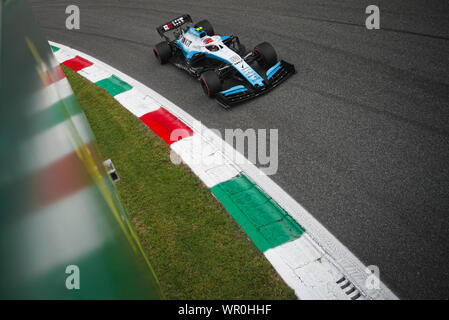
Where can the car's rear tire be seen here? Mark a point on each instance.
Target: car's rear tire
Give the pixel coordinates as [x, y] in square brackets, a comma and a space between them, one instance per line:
[210, 82]
[162, 52]
[207, 27]
[267, 55]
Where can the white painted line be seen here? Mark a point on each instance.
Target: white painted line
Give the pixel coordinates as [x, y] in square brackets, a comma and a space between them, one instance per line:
[137, 103]
[296, 254]
[205, 160]
[308, 270]
[94, 73]
[64, 55]
[313, 280]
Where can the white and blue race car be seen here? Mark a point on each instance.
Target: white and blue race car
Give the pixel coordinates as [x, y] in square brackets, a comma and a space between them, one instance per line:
[225, 69]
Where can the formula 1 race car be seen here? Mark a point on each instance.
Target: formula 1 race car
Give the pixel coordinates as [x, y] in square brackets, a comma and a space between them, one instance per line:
[225, 69]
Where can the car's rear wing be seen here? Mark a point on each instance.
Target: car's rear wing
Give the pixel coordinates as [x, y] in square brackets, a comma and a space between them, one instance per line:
[174, 24]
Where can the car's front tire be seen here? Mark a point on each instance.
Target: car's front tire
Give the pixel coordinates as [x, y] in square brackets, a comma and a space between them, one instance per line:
[267, 56]
[210, 82]
[162, 52]
[207, 27]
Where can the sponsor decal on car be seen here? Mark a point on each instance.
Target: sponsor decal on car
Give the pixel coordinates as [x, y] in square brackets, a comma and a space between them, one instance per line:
[175, 23]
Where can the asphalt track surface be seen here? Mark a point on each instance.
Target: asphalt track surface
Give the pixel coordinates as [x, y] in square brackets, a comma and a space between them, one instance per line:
[363, 125]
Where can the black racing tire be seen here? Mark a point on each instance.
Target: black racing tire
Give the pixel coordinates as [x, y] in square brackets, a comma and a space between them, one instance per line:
[211, 84]
[267, 55]
[207, 27]
[162, 52]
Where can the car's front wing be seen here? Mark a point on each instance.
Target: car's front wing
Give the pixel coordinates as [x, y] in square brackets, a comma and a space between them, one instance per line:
[244, 92]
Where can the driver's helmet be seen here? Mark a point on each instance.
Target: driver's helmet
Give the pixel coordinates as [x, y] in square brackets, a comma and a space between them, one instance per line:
[212, 48]
[208, 40]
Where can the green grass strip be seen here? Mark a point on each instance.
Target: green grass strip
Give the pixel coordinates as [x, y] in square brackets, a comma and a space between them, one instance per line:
[197, 250]
[114, 85]
[265, 222]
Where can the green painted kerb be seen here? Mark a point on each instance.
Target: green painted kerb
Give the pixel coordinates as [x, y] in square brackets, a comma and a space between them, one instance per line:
[54, 49]
[114, 85]
[265, 222]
